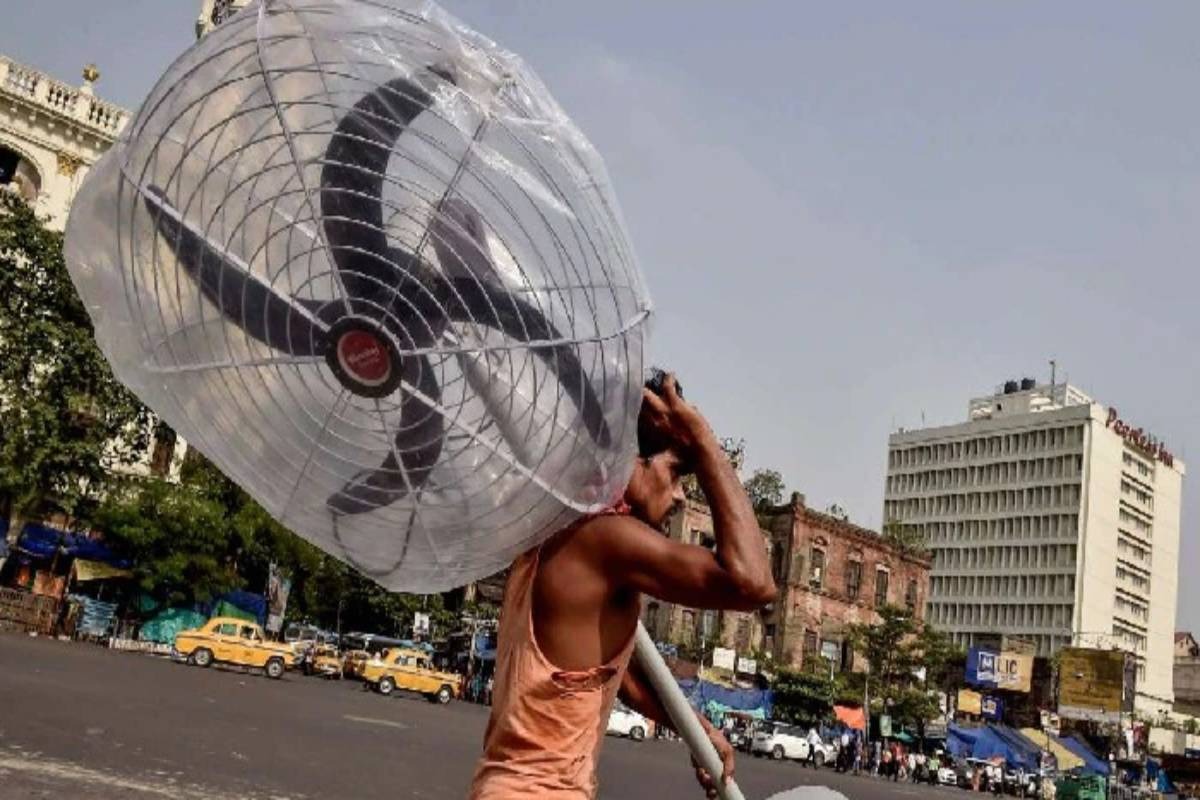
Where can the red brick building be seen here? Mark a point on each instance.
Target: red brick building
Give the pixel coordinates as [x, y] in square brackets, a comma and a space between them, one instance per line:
[832, 573]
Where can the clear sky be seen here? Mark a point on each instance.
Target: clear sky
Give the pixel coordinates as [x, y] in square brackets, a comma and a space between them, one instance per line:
[854, 217]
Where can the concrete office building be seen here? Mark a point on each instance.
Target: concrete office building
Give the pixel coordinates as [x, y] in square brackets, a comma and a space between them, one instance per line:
[1049, 517]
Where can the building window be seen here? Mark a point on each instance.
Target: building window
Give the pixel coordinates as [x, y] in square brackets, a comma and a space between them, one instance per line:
[816, 575]
[910, 596]
[881, 587]
[810, 642]
[652, 619]
[777, 555]
[853, 579]
[743, 635]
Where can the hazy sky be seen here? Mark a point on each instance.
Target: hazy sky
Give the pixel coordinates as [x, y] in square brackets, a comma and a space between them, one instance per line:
[853, 219]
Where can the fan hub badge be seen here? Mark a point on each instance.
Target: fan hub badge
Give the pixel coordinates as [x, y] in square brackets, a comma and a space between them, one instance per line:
[364, 358]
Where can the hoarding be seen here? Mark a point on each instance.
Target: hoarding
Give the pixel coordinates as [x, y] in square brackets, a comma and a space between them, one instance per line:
[1091, 684]
[970, 702]
[1007, 670]
[279, 587]
[748, 666]
[723, 658]
[991, 708]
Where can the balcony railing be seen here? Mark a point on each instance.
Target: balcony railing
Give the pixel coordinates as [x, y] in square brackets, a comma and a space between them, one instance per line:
[38, 89]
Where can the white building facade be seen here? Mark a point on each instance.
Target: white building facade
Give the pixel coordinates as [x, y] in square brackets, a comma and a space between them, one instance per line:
[51, 133]
[1051, 518]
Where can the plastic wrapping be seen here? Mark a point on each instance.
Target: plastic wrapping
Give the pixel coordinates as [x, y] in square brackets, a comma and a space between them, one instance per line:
[357, 255]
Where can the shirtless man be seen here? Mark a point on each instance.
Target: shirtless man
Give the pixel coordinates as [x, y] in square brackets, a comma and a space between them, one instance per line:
[571, 609]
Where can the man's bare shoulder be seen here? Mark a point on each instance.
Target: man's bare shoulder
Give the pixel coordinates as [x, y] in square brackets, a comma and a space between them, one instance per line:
[609, 539]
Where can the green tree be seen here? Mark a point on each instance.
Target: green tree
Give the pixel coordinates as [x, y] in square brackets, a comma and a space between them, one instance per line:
[909, 663]
[804, 696]
[178, 537]
[64, 419]
[765, 488]
[906, 538]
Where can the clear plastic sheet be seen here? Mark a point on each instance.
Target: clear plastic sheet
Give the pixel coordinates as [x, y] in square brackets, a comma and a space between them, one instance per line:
[357, 255]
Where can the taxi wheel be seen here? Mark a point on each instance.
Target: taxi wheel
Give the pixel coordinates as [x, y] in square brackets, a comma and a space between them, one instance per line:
[444, 695]
[386, 685]
[637, 733]
[203, 657]
[275, 668]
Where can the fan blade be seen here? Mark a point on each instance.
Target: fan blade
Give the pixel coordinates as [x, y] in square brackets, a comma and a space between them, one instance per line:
[458, 237]
[467, 300]
[352, 178]
[283, 323]
[418, 443]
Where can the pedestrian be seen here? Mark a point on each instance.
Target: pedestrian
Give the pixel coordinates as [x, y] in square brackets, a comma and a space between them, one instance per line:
[814, 745]
[876, 757]
[491, 684]
[858, 753]
[843, 761]
[911, 763]
[571, 606]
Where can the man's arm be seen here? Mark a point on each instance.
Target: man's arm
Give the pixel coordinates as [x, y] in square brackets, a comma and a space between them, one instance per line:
[637, 693]
[738, 575]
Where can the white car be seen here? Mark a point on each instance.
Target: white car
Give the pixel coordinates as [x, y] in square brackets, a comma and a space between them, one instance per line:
[626, 722]
[781, 741]
[947, 775]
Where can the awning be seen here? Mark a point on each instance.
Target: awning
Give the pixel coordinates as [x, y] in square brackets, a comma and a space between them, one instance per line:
[853, 718]
[1067, 760]
[97, 571]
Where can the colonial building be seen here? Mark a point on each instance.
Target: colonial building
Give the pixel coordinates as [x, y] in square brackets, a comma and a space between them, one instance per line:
[51, 133]
[214, 12]
[832, 573]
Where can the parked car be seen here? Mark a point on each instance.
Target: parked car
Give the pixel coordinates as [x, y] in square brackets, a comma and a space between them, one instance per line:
[781, 741]
[402, 668]
[230, 640]
[627, 722]
[947, 774]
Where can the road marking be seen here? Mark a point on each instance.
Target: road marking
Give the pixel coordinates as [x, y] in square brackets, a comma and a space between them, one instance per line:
[65, 771]
[372, 721]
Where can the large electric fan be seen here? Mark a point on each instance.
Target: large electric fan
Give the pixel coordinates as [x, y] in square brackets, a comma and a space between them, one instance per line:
[358, 256]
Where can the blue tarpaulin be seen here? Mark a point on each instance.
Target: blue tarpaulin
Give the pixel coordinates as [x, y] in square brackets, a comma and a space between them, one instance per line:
[40, 541]
[700, 693]
[254, 604]
[992, 741]
[1091, 762]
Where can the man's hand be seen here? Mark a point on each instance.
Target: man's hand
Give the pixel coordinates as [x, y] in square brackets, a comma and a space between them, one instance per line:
[724, 750]
[671, 418]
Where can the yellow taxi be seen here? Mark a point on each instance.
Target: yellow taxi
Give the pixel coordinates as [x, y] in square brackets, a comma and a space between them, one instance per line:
[402, 668]
[230, 640]
[326, 662]
[353, 663]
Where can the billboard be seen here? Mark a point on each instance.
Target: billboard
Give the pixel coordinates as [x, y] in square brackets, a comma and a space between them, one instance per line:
[747, 665]
[1008, 670]
[723, 658]
[970, 702]
[1091, 684]
[279, 587]
[991, 708]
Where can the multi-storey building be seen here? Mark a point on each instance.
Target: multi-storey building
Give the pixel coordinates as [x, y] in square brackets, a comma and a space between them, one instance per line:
[1051, 518]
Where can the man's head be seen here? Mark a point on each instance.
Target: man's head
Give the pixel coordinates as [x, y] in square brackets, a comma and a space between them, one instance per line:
[655, 489]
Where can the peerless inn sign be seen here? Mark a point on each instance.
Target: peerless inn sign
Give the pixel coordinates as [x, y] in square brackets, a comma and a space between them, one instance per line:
[1137, 437]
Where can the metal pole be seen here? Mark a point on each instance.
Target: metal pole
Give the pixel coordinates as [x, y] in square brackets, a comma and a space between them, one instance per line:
[682, 715]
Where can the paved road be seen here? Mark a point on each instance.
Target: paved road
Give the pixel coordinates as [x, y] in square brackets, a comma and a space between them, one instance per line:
[85, 722]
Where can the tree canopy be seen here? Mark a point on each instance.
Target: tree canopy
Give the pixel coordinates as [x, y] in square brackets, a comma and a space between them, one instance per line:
[64, 418]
